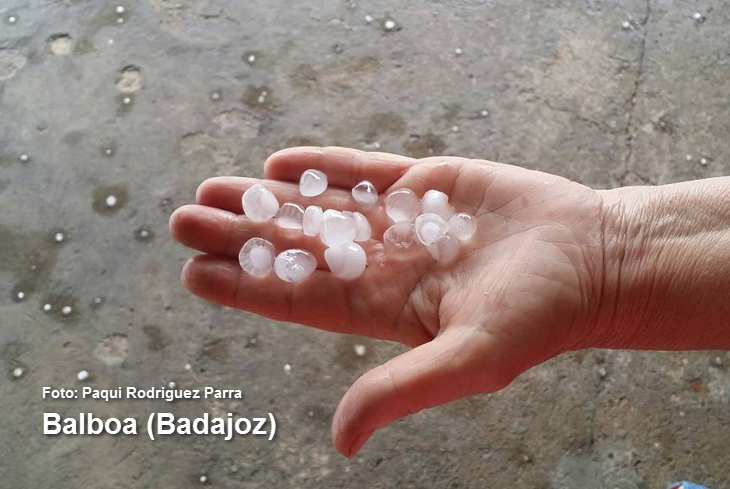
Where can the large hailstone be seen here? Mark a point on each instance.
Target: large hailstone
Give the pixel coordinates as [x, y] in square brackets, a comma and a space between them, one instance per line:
[463, 225]
[402, 205]
[400, 238]
[312, 221]
[337, 228]
[257, 257]
[312, 183]
[290, 216]
[430, 228]
[435, 202]
[364, 231]
[445, 249]
[347, 261]
[294, 265]
[365, 194]
[259, 203]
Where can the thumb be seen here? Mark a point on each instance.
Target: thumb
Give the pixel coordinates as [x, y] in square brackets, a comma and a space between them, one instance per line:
[455, 364]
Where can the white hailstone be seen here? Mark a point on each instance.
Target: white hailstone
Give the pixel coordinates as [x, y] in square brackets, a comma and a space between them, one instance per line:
[688, 157]
[484, 113]
[430, 228]
[312, 221]
[120, 20]
[66, 310]
[347, 261]
[259, 203]
[215, 96]
[337, 228]
[435, 202]
[360, 350]
[126, 100]
[171, 384]
[703, 161]
[47, 307]
[12, 19]
[21, 296]
[458, 51]
[290, 216]
[58, 237]
[698, 16]
[462, 226]
[400, 237]
[111, 200]
[294, 265]
[287, 369]
[120, 9]
[455, 128]
[365, 194]
[188, 367]
[626, 25]
[251, 58]
[369, 18]
[364, 231]
[24, 157]
[402, 205]
[257, 257]
[17, 372]
[83, 375]
[312, 183]
[97, 300]
[389, 25]
[262, 96]
[203, 479]
[445, 249]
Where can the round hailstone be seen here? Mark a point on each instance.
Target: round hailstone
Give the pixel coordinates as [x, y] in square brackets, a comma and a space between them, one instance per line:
[312, 183]
[445, 249]
[337, 228]
[360, 350]
[257, 257]
[47, 307]
[312, 221]
[430, 228]
[259, 203]
[83, 375]
[435, 202]
[402, 205]
[294, 265]
[58, 237]
[66, 310]
[17, 372]
[347, 261]
[111, 200]
[365, 194]
[290, 216]
[171, 384]
[400, 237]
[463, 226]
[364, 231]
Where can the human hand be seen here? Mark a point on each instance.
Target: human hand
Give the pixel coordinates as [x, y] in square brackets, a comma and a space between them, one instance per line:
[525, 288]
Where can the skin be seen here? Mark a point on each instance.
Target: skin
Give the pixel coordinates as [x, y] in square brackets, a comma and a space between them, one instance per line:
[554, 266]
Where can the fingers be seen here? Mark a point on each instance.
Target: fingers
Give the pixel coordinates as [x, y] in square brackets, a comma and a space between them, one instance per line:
[451, 366]
[226, 192]
[344, 167]
[222, 281]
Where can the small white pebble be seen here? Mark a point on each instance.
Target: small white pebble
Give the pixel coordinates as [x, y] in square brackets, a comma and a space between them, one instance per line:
[21, 296]
[203, 479]
[58, 237]
[360, 350]
[66, 310]
[24, 157]
[83, 375]
[458, 51]
[171, 384]
[120, 9]
[120, 20]
[47, 307]
[389, 24]
[455, 128]
[188, 367]
[126, 100]
[17, 372]
[368, 18]
[12, 19]
[688, 157]
[287, 369]
[111, 200]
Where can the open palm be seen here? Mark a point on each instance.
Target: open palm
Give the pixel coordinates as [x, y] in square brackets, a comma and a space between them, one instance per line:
[521, 290]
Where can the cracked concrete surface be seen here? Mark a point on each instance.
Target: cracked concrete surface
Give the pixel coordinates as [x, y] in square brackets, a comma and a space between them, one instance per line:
[146, 108]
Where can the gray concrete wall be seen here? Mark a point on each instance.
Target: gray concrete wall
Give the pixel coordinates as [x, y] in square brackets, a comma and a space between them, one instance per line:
[566, 89]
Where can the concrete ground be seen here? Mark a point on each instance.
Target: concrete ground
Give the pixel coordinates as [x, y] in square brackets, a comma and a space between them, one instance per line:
[145, 108]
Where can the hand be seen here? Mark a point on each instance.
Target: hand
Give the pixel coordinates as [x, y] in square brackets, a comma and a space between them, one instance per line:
[522, 290]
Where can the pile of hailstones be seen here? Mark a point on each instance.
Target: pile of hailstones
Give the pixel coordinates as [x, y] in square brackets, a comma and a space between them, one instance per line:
[430, 221]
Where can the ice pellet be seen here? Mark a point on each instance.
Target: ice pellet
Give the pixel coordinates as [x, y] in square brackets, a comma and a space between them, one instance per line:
[445, 249]
[294, 265]
[337, 228]
[364, 231]
[312, 221]
[312, 183]
[400, 237]
[259, 203]
[83, 375]
[402, 205]
[257, 257]
[430, 228]
[360, 350]
[435, 202]
[17, 372]
[290, 216]
[365, 194]
[462, 226]
[347, 261]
